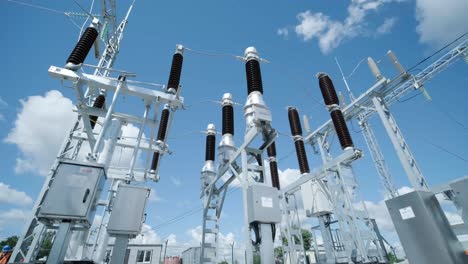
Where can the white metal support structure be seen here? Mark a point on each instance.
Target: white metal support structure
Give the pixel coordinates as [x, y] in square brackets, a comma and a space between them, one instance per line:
[377, 99]
[292, 230]
[101, 143]
[386, 92]
[250, 173]
[371, 141]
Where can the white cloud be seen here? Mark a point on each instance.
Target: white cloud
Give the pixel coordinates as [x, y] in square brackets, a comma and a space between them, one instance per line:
[378, 211]
[441, 21]
[288, 176]
[331, 33]
[153, 197]
[224, 241]
[283, 32]
[147, 236]
[14, 214]
[176, 181]
[386, 26]
[39, 130]
[41, 126]
[12, 196]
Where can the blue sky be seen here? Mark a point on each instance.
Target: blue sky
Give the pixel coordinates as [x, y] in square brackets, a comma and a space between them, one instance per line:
[300, 38]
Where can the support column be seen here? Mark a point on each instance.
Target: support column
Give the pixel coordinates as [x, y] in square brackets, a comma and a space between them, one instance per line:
[401, 147]
[120, 249]
[266, 247]
[60, 245]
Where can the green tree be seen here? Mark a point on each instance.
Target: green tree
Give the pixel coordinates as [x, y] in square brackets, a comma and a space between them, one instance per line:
[256, 259]
[306, 237]
[223, 262]
[392, 258]
[11, 241]
[46, 245]
[279, 252]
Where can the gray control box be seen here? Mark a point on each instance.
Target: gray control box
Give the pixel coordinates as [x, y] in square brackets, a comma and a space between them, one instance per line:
[128, 210]
[424, 230]
[263, 204]
[73, 193]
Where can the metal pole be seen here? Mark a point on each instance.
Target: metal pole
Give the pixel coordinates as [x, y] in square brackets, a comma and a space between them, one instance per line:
[401, 147]
[232, 253]
[165, 249]
[140, 134]
[59, 248]
[109, 113]
[120, 249]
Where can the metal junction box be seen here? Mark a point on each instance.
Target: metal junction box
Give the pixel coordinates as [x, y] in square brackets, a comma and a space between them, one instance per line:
[128, 210]
[73, 193]
[263, 204]
[424, 230]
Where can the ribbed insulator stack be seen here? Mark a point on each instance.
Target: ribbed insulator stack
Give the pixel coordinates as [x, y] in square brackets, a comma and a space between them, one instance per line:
[271, 150]
[254, 76]
[98, 103]
[82, 48]
[161, 136]
[296, 131]
[228, 119]
[210, 147]
[331, 100]
[176, 69]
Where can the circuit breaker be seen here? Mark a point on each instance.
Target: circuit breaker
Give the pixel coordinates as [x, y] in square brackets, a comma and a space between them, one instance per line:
[263, 204]
[128, 210]
[73, 194]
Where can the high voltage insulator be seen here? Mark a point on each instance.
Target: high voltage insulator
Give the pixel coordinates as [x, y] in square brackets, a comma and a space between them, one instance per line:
[331, 100]
[163, 124]
[294, 122]
[226, 147]
[328, 90]
[161, 136]
[271, 150]
[252, 71]
[176, 69]
[341, 129]
[82, 48]
[254, 76]
[228, 119]
[98, 103]
[210, 143]
[210, 147]
[296, 131]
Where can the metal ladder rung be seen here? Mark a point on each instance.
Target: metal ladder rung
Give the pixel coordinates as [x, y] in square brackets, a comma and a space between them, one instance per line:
[211, 231]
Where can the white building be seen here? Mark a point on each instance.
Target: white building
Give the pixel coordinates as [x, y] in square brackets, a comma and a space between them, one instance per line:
[139, 254]
[191, 255]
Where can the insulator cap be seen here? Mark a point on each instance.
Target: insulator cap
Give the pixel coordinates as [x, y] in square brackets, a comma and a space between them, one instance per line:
[328, 90]
[301, 156]
[82, 48]
[341, 129]
[228, 119]
[176, 69]
[271, 150]
[210, 147]
[163, 124]
[294, 121]
[98, 103]
[254, 76]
